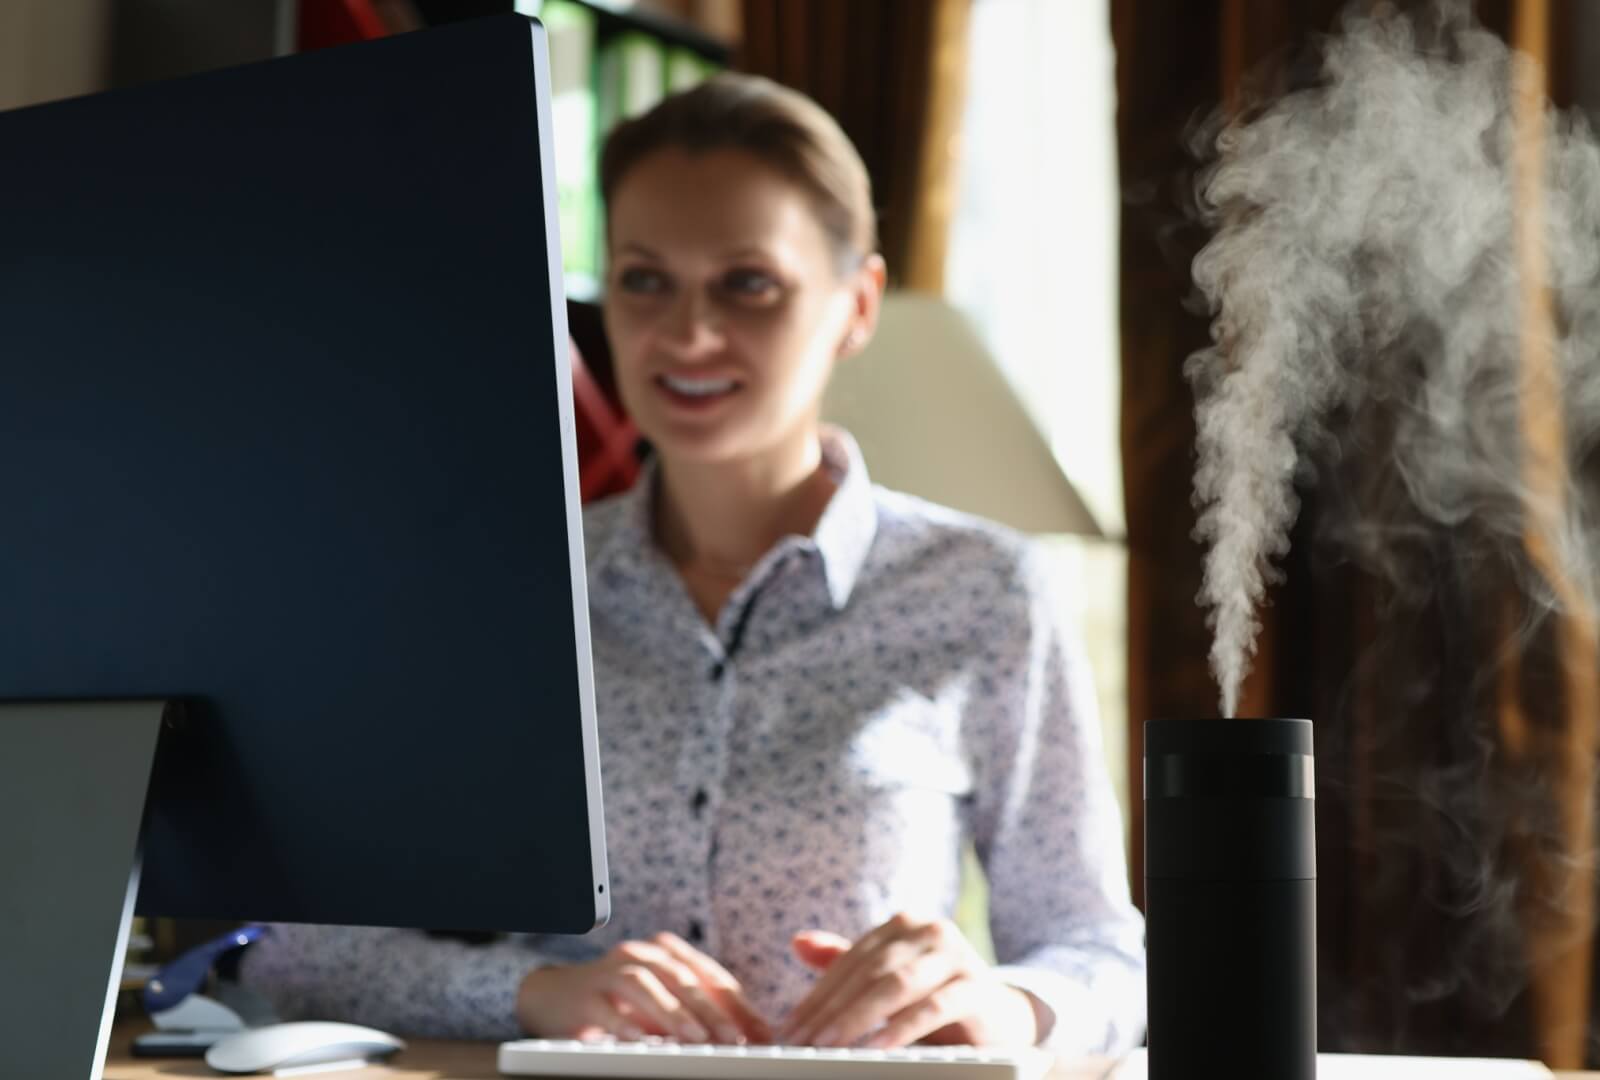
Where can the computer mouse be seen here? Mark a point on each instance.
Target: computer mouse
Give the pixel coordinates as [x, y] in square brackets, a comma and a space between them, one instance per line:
[287, 1046]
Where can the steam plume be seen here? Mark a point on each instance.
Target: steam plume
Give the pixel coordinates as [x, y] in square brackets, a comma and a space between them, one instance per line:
[1365, 248]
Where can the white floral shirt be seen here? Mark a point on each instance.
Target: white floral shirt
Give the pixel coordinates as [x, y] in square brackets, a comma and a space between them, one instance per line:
[869, 697]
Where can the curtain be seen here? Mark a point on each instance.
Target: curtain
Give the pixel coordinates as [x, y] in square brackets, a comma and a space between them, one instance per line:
[1457, 728]
[892, 73]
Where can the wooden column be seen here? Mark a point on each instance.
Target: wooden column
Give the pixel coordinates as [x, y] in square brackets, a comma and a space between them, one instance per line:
[931, 206]
[1552, 738]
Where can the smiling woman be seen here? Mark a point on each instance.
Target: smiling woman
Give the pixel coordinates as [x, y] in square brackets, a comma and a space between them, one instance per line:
[741, 246]
[812, 692]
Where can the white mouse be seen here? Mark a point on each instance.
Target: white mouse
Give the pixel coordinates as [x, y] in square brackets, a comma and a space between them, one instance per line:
[288, 1046]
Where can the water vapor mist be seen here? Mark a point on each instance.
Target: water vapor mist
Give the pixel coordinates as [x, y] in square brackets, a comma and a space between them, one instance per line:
[1365, 248]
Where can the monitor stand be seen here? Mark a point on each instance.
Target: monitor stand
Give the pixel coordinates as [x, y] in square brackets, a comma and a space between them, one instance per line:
[73, 778]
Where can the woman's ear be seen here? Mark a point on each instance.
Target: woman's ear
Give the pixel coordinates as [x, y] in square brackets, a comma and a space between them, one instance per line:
[866, 298]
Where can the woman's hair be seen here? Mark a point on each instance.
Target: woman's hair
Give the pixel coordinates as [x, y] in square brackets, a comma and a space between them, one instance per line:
[782, 128]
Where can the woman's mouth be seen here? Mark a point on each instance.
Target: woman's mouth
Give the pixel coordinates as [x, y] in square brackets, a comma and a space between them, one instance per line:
[695, 393]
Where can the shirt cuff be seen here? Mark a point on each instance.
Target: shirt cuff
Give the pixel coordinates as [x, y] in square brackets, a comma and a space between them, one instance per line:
[1079, 1021]
[483, 992]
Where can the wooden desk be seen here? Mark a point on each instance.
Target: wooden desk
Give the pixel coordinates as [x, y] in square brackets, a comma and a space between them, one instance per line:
[435, 1060]
[422, 1059]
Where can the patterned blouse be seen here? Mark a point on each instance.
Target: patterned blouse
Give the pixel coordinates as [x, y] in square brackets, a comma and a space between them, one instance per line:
[869, 697]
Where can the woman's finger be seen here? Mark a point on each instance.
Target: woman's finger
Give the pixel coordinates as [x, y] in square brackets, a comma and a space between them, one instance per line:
[893, 950]
[956, 1000]
[641, 990]
[885, 996]
[723, 987]
[684, 984]
[602, 1017]
[819, 948]
[799, 1021]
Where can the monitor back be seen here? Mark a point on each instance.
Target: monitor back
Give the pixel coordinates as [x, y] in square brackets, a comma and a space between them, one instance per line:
[286, 432]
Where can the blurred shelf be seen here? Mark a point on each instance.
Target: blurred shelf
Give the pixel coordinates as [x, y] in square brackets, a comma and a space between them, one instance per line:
[618, 16]
[611, 16]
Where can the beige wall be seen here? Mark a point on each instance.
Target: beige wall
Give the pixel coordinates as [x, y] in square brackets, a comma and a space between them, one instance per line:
[52, 49]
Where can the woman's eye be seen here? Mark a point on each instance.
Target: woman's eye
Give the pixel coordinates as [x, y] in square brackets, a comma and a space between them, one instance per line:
[641, 281]
[750, 285]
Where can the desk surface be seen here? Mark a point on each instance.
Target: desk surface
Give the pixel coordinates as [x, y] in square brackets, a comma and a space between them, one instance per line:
[423, 1059]
[436, 1060]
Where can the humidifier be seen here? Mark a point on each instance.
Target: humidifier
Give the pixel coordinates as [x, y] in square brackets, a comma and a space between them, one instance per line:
[1230, 899]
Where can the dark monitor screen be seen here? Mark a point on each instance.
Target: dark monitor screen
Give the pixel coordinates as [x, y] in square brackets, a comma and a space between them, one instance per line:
[286, 433]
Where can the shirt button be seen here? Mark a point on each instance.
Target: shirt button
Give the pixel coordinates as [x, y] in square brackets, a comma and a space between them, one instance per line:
[698, 803]
[717, 671]
[697, 933]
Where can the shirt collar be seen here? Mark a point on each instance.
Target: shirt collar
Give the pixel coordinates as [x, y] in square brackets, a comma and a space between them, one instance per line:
[843, 535]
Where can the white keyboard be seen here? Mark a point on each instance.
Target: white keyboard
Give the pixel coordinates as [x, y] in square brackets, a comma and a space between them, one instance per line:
[668, 1061]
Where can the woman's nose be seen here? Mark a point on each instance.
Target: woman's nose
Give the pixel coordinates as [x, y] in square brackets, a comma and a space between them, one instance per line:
[692, 327]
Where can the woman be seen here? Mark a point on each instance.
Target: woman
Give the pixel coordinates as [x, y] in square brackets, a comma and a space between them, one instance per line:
[810, 690]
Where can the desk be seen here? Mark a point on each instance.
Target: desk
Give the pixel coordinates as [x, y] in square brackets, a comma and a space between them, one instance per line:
[426, 1059]
[423, 1059]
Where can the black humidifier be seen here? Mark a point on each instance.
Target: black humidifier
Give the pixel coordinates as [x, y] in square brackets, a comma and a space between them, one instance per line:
[1230, 899]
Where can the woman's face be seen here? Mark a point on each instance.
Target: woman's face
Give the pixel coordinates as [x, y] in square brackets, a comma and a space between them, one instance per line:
[725, 306]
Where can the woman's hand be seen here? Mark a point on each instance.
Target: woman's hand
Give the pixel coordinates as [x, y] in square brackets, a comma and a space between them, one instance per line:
[663, 986]
[921, 980]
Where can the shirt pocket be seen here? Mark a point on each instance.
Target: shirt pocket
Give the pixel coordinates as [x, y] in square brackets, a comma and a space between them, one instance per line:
[913, 742]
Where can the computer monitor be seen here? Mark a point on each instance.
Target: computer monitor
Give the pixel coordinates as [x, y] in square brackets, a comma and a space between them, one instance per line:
[286, 436]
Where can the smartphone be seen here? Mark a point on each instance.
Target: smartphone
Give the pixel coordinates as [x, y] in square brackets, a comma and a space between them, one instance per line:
[179, 1044]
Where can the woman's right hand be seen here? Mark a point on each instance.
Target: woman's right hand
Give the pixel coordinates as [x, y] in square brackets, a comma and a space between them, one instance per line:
[663, 986]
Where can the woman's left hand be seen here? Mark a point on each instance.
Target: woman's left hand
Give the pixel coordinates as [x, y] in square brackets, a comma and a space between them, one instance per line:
[921, 980]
